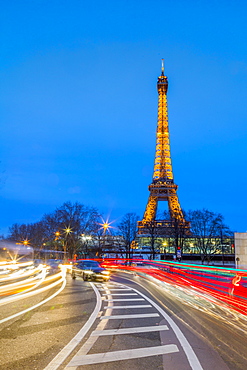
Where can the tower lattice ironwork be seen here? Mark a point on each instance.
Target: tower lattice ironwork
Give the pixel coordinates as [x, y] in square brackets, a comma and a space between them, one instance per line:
[162, 187]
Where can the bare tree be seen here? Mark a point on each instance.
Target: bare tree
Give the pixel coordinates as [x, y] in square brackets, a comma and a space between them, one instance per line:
[153, 241]
[208, 229]
[61, 229]
[128, 229]
[33, 234]
[178, 231]
[72, 221]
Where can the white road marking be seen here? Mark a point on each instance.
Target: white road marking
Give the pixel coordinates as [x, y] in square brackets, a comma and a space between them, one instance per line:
[140, 329]
[140, 316]
[131, 306]
[81, 358]
[123, 355]
[120, 294]
[111, 289]
[91, 340]
[124, 300]
[190, 354]
[113, 286]
[64, 353]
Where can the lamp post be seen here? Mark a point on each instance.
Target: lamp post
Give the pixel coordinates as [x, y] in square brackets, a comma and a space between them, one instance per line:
[26, 243]
[57, 235]
[105, 226]
[67, 231]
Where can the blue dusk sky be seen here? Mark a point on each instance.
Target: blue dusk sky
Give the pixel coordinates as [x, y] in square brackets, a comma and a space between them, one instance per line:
[78, 105]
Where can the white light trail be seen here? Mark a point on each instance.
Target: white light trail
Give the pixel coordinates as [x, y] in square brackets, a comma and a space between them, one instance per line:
[63, 280]
[29, 294]
[19, 274]
[25, 283]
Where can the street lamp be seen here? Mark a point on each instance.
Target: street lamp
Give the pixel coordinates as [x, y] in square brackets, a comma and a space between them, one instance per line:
[57, 234]
[106, 226]
[25, 242]
[67, 230]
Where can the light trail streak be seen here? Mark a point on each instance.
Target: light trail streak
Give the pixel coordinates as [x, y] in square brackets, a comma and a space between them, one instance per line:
[196, 300]
[227, 287]
[27, 282]
[19, 274]
[29, 294]
[63, 280]
[21, 285]
[11, 264]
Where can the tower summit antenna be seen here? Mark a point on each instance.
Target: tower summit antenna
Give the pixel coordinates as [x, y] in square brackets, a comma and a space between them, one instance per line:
[162, 66]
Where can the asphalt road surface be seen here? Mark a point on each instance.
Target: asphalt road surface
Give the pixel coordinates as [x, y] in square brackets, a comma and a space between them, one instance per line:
[127, 323]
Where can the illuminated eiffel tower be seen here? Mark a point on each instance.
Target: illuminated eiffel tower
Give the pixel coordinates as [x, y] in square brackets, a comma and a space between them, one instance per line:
[162, 187]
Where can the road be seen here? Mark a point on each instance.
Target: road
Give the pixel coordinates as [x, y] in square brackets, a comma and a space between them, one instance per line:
[127, 323]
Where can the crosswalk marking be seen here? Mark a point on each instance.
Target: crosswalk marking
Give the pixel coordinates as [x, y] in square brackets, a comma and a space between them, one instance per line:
[140, 329]
[140, 316]
[111, 289]
[122, 355]
[131, 306]
[124, 300]
[120, 294]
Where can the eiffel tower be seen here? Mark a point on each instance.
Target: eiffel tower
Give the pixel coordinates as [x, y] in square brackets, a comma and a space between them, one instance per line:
[162, 187]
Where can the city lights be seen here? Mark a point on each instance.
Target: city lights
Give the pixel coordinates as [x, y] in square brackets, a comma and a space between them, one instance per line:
[106, 226]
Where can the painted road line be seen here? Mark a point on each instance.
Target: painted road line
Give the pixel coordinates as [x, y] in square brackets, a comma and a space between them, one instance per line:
[140, 316]
[123, 355]
[124, 300]
[120, 294]
[140, 329]
[90, 341]
[111, 289]
[114, 289]
[64, 353]
[131, 306]
[190, 354]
